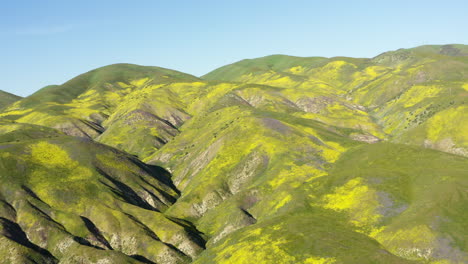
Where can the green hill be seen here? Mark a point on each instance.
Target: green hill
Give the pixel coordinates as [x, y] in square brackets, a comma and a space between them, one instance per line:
[7, 98]
[105, 80]
[75, 201]
[410, 93]
[278, 159]
[79, 106]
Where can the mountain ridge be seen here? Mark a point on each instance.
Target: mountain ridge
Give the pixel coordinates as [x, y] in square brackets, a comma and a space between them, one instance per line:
[286, 160]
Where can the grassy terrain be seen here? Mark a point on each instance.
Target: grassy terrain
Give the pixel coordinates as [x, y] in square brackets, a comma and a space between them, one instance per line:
[381, 196]
[410, 93]
[411, 200]
[7, 98]
[79, 201]
[79, 106]
[278, 159]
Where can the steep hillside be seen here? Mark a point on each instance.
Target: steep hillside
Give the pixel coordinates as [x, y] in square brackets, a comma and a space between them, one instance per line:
[7, 98]
[70, 200]
[244, 172]
[384, 191]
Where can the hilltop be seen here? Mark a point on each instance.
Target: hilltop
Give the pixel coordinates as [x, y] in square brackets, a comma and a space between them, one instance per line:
[7, 98]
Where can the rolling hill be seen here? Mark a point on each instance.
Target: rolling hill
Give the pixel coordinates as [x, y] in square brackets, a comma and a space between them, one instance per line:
[277, 159]
[7, 98]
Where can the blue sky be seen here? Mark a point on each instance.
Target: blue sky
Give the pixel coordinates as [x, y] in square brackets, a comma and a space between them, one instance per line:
[48, 42]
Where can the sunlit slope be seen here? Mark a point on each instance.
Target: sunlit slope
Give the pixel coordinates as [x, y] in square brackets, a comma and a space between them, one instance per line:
[147, 114]
[240, 169]
[106, 81]
[79, 106]
[239, 164]
[428, 106]
[7, 99]
[69, 200]
[409, 92]
[153, 115]
[374, 199]
[277, 63]
[413, 201]
[310, 235]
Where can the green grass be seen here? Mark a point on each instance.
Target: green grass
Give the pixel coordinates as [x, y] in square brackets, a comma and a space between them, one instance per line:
[399, 195]
[7, 99]
[267, 161]
[52, 181]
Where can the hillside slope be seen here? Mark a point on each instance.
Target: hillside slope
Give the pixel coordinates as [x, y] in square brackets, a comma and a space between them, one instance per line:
[278, 159]
[411, 93]
[7, 98]
[243, 171]
[71, 200]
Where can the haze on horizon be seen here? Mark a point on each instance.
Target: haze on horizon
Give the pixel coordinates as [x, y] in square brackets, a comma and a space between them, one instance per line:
[52, 41]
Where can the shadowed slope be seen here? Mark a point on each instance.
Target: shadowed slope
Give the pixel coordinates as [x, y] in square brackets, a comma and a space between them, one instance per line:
[85, 202]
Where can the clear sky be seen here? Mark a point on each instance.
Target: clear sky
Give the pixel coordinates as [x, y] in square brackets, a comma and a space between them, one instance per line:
[48, 42]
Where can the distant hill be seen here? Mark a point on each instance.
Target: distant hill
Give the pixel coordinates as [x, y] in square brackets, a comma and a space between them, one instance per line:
[408, 92]
[79, 106]
[103, 80]
[7, 98]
